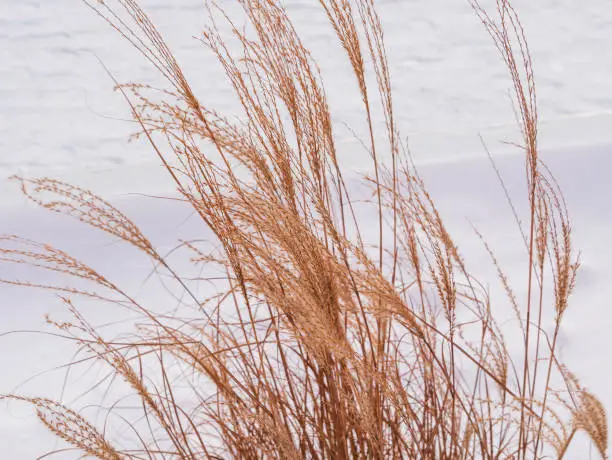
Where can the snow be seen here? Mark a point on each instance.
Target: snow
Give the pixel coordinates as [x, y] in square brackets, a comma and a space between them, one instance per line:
[59, 117]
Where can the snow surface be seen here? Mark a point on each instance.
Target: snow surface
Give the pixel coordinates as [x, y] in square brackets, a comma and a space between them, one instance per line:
[59, 117]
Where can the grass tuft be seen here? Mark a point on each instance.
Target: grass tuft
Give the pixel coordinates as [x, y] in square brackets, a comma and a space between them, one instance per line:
[322, 342]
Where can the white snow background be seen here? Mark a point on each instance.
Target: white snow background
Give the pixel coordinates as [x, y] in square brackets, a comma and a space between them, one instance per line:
[60, 118]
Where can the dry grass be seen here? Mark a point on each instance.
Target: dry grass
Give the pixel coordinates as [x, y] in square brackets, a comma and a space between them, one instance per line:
[319, 347]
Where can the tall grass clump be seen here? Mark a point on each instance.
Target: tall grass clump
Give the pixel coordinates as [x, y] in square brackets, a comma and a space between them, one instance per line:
[320, 343]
